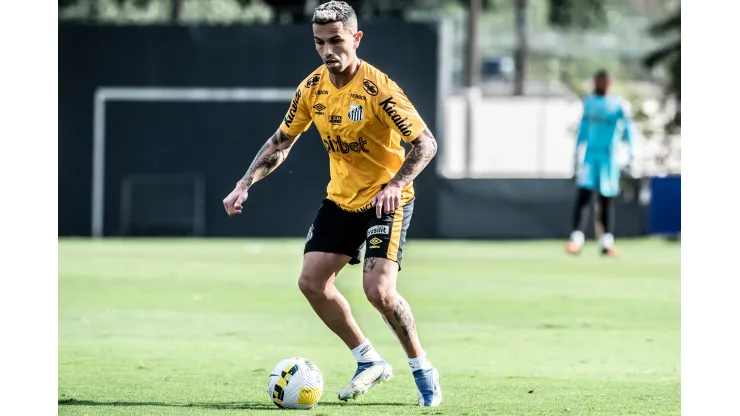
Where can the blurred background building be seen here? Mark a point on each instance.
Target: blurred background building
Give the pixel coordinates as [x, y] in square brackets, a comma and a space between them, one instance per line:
[163, 104]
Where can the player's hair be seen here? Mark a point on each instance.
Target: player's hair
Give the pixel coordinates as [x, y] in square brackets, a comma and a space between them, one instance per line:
[602, 73]
[335, 11]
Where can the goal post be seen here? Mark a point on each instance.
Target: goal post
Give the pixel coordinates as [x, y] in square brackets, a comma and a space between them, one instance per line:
[105, 95]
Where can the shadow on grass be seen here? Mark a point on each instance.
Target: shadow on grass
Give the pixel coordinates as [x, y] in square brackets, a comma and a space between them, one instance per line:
[223, 406]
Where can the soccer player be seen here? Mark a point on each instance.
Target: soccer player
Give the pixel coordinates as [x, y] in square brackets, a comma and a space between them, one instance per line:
[362, 116]
[605, 122]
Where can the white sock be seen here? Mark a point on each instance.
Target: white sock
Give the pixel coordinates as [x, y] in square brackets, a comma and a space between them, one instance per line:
[419, 363]
[577, 237]
[365, 352]
[607, 240]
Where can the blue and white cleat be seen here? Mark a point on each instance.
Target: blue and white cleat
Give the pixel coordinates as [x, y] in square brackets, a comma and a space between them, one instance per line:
[367, 375]
[427, 384]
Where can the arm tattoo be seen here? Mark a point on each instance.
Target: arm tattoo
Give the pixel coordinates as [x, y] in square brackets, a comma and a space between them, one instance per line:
[417, 159]
[269, 157]
[279, 138]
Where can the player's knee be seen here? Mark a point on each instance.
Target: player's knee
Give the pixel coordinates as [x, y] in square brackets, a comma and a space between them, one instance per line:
[382, 298]
[310, 286]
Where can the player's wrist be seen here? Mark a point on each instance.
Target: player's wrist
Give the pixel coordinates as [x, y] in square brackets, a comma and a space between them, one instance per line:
[243, 184]
[394, 185]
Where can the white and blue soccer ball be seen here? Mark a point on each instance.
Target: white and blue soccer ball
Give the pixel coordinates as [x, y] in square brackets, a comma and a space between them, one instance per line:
[295, 383]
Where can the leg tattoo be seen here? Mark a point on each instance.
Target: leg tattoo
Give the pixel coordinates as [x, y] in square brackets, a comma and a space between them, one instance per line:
[369, 264]
[404, 318]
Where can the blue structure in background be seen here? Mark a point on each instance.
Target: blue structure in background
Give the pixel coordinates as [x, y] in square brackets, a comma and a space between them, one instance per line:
[665, 205]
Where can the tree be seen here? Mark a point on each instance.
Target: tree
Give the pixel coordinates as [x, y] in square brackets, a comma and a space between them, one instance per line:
[577, 14]
[668, 57]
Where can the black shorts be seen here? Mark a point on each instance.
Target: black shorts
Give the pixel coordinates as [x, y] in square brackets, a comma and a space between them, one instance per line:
[335, 230]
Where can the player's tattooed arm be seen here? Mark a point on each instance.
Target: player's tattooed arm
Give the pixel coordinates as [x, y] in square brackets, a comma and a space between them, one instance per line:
[269, 157]
[423, 150]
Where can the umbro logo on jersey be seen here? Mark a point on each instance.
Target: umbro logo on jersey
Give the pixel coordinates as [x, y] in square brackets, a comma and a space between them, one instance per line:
[355, 112]
[319, 109]
[335, 119]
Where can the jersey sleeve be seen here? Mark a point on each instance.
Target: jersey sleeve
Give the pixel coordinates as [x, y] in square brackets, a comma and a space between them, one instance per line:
[298, 118]
[396, 111]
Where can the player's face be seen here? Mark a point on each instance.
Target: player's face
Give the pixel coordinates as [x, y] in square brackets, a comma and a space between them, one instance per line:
[336, 44]
[602, 84]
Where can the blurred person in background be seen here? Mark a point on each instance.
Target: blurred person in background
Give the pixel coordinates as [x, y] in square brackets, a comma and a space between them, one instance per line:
[605, 122]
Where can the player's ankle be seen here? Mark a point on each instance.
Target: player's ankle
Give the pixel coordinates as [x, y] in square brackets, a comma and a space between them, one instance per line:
[420, 363]
[607, 241]
[578, 237]
[365, 352]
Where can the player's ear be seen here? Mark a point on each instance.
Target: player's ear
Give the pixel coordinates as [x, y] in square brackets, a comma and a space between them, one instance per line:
[357, 37]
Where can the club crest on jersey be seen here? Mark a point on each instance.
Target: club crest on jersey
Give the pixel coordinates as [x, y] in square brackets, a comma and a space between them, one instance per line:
[355, 112]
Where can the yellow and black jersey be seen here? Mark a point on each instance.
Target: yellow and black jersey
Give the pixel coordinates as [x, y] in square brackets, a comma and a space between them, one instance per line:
[362, 125]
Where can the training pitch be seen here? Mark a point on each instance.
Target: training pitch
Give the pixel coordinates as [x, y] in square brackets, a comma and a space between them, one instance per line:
[193, 327]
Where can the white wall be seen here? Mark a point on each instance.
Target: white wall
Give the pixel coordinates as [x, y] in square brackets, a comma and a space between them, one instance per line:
[513, 137]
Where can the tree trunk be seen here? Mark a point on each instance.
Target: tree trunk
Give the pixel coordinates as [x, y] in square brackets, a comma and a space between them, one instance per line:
[522, 45]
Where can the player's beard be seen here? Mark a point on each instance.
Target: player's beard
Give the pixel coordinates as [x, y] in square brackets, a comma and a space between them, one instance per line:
[336, 67]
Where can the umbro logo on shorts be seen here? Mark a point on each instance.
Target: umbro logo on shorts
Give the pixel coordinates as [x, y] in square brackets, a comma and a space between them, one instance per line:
[375, 241]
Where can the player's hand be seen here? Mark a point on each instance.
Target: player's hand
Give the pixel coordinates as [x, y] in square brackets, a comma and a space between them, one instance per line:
[233, 202]
[388, 200]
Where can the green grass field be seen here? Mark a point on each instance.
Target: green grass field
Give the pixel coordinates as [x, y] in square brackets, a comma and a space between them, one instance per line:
[193, 327]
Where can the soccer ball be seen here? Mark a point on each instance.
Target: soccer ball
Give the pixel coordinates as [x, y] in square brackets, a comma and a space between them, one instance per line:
[295, 383]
